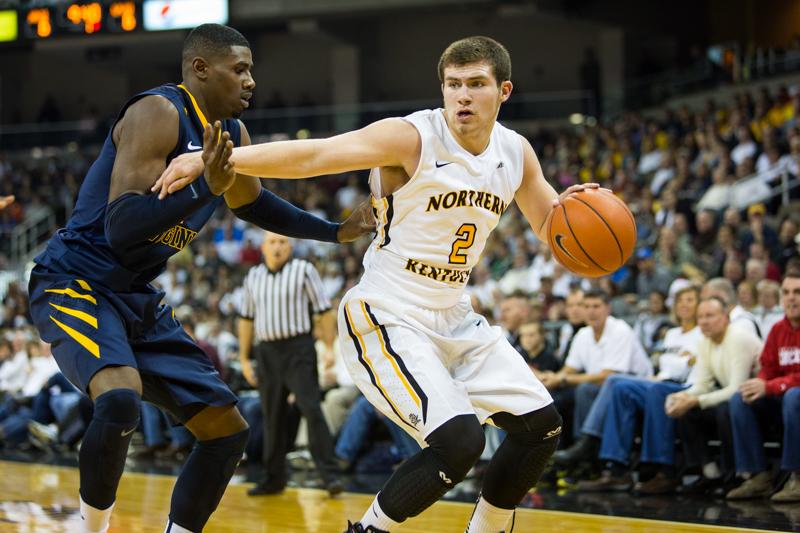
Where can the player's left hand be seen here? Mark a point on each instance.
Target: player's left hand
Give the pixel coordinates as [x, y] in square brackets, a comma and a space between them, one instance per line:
[360, 222]
[576, 188]
[753, 389]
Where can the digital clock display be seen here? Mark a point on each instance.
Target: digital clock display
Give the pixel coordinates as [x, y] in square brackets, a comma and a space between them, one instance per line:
[81, 18]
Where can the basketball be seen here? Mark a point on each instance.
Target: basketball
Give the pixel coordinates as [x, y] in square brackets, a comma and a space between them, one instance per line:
[592, 232]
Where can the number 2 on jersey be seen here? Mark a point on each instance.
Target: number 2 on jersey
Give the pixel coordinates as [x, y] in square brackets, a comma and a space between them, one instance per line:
[466, 237]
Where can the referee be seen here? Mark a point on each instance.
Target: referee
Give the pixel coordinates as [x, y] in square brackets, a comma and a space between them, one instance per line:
[279, 298]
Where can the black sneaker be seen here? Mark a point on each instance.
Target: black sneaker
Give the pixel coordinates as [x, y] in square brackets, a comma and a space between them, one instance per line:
[358, 528]
[585, 449]
[266, 488]
[334, 486]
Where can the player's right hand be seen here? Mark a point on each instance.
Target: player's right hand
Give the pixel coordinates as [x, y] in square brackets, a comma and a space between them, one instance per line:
[214, 160]
[217, 150]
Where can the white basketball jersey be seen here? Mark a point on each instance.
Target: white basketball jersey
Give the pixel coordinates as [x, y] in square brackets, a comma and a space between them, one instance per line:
[432, 230]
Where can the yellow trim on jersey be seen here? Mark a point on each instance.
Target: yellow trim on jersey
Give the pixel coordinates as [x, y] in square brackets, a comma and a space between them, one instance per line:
[85, 286]
[72, 293]
[349, 317]
[80, 338]
[196, 107]
[391, 359]
[86, 317]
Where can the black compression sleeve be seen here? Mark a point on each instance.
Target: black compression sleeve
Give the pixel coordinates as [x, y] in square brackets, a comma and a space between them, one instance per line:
[273, 213]
[134, 218]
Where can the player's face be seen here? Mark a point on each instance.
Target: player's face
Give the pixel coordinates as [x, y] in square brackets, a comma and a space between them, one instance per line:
[232, 82]
[472, 97]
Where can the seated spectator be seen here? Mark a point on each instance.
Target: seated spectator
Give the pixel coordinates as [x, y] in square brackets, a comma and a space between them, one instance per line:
[623, 396]
[771, 398]
[353, 439]
[575, 321]
[650, 322]
[162, 438]
[747, 296]
[768, 312]
[533, 346]
[651, 276]
[723, 289]
[605, 346]
[725, 360]
[514, 311]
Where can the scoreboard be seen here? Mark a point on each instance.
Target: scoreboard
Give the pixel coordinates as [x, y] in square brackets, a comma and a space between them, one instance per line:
[64, 18]
[82, 18]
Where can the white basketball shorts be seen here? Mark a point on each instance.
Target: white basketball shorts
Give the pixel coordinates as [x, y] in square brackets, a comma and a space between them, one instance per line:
[421, 367]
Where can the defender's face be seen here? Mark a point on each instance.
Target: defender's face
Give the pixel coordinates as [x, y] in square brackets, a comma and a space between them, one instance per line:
[472, 97]
[232, 81]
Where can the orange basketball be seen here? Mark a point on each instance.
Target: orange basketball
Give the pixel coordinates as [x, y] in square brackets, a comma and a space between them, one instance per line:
[592, 232]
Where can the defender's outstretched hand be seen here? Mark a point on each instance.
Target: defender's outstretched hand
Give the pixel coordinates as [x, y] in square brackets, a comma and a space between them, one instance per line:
[360, 222]
[214, 159]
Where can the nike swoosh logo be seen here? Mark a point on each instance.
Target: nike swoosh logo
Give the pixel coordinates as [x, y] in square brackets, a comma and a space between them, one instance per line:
[440, 165]
[126, 433]
[195, 196]
[191, 146]
[559, 238]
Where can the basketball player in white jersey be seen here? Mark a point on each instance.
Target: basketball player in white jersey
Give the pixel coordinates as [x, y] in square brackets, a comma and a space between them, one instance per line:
[441, 179]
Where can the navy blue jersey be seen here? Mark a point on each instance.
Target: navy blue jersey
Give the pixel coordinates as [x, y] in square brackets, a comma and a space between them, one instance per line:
[81, 248]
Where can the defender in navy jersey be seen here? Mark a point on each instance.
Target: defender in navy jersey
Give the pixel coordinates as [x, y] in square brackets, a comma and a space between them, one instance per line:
[91, 296]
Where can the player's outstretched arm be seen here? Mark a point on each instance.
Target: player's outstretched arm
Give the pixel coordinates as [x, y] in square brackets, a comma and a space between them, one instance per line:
[386, 143]
[144, 138]
[535, 196]
[251, 202]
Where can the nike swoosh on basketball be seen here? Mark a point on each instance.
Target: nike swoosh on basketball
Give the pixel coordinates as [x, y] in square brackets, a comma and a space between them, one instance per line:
[126, 433]
[558, 238]
[191, 146]
[440, 165]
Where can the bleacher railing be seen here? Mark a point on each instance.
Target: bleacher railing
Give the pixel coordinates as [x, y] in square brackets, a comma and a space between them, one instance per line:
[27, 237]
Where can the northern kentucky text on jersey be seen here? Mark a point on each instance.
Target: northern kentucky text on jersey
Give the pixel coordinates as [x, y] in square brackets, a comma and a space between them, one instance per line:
[467, 198]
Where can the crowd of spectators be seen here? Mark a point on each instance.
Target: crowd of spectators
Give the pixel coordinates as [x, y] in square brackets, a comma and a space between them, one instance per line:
[676, 174]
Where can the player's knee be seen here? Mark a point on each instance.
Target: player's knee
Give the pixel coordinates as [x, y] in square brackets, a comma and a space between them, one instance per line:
[119, 406]
[534, 427]
[459, 443]
[227, 449]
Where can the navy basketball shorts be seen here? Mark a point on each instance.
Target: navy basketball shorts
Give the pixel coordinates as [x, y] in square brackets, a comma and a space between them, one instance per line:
[90, 327]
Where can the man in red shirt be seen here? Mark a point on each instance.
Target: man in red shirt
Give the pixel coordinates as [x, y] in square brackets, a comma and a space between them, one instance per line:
[773, 395]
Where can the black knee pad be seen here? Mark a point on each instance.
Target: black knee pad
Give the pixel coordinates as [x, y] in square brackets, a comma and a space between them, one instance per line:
[522, 457]
[458, 443]
[105, 445]
[533, 427]
[118, 406]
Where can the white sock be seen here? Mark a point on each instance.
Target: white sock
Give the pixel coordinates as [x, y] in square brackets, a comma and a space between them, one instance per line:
[487, 518]
[376, 518]
[94, 520]
[172, 527]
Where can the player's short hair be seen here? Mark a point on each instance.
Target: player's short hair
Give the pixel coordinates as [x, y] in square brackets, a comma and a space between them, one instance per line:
[477, 49]
[597, 294]
[211, 40]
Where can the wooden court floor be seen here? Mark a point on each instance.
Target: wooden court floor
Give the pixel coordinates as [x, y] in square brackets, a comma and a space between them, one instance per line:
[37, 498]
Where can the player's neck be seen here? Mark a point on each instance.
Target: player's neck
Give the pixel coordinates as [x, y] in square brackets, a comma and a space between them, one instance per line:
[474, 142]
[200, 100]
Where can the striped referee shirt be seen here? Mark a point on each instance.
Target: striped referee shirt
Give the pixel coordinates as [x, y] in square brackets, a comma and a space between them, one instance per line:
[281, 303]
